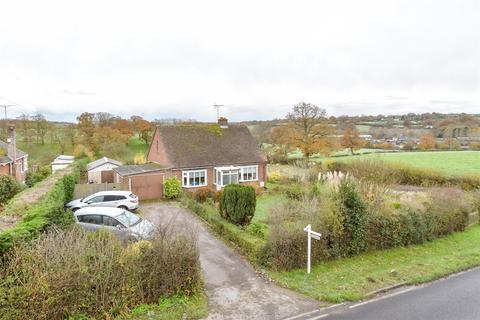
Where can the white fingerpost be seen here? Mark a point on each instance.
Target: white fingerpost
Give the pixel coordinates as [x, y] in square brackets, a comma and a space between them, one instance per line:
[310, 234]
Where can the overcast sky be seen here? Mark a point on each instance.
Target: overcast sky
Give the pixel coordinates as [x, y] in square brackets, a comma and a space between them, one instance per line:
[176, 58]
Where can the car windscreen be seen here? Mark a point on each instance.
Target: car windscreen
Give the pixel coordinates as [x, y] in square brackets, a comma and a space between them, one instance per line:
[127, 218]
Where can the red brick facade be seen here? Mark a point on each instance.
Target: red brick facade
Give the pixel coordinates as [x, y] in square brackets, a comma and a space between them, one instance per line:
[196, 147]
[19, 175]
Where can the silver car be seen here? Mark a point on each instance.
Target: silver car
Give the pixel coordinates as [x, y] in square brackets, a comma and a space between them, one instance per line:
[119, 199]
[126, 225]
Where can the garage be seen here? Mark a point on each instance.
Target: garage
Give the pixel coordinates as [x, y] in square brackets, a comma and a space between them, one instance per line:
[144, 180]
[101, 170]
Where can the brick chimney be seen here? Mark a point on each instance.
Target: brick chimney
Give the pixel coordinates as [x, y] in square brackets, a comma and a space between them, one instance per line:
[12, 146]
[223, 122]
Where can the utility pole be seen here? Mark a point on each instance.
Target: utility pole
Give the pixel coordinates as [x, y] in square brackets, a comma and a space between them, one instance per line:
[217, 106]
[5, 107]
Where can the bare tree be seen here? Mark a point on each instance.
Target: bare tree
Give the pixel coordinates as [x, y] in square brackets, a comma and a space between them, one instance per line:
[312, 128]
[25, 127]
[41, 127]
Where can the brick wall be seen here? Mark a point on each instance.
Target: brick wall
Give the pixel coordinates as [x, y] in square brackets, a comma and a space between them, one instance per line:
[157, 153]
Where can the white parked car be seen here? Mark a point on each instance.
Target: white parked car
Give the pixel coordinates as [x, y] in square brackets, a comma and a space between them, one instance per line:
[118, 199]
[127, 226]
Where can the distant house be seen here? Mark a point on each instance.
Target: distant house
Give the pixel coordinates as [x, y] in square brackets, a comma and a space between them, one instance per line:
[200, 156]
[61, 162]
[101, 170]
[13, 161]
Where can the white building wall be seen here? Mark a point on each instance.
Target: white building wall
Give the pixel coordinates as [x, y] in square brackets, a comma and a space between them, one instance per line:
[95, 175]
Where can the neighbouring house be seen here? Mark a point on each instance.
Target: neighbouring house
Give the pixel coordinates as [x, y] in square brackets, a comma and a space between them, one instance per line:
[200, 156]
[61, 162]
[101, 170]
[13, 161]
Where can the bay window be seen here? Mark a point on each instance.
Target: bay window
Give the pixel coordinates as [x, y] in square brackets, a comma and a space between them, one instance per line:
[249, 173]
[194, 178]
[232, 174]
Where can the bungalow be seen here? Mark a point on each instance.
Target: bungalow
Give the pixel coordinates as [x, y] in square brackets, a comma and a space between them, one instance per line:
[200, 156]
[13, 161]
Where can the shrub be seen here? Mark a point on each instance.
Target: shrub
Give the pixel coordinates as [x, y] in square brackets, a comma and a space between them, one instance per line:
[295, 191]
[67, 274]
[203, 194]
[353, 211]
[237, 204]
[172, 187]
[8, 188]
[450, 208]
[287, 243]
[37, 175]
[274, 177]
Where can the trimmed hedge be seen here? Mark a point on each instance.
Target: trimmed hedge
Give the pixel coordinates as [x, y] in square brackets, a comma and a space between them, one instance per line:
[46, 212]
[348, 227]
[251, 246]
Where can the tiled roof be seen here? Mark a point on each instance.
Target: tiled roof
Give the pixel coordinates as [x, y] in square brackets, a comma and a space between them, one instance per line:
[134, 169]
[202, 145]
[102, 161]
[7, 159]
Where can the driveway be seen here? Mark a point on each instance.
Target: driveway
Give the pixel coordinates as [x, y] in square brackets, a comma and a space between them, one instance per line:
[234, 289]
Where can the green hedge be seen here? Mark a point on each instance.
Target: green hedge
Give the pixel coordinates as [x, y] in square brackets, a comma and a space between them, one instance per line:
[251, 246]
[46, 212]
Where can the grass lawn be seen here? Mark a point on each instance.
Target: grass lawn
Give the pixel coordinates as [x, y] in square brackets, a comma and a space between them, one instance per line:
[135, 146]
[173, 308]
[264, 203]
[449, 162]
[353, 278]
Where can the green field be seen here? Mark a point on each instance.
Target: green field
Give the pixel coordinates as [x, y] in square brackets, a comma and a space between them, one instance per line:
[39, 154]
[449, 162]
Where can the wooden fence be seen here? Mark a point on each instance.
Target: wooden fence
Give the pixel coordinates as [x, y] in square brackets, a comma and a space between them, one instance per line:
[85, 189]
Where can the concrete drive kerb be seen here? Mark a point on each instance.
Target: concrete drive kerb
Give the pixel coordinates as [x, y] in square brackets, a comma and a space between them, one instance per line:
[233, 288]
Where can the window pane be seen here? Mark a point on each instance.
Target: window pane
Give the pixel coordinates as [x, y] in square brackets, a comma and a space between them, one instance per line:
[92, 219]
[110, 222]
[96, 199]
[202, 177]
[226, 179]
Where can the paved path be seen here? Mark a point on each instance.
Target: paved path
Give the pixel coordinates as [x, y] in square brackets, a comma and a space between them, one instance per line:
[455, 297]
[233, 288]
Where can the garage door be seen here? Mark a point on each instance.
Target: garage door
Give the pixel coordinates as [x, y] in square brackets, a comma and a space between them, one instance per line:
[107, 176]
[148, 187]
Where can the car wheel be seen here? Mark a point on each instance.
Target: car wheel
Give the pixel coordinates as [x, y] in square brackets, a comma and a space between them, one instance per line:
[123, 207]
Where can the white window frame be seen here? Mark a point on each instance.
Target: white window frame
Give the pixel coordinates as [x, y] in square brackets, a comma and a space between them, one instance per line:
[248, 167]
[186, 174]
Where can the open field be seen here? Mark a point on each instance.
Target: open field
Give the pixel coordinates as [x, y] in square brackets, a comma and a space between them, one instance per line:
[449, 162]
[39, 154]
[353, 278]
